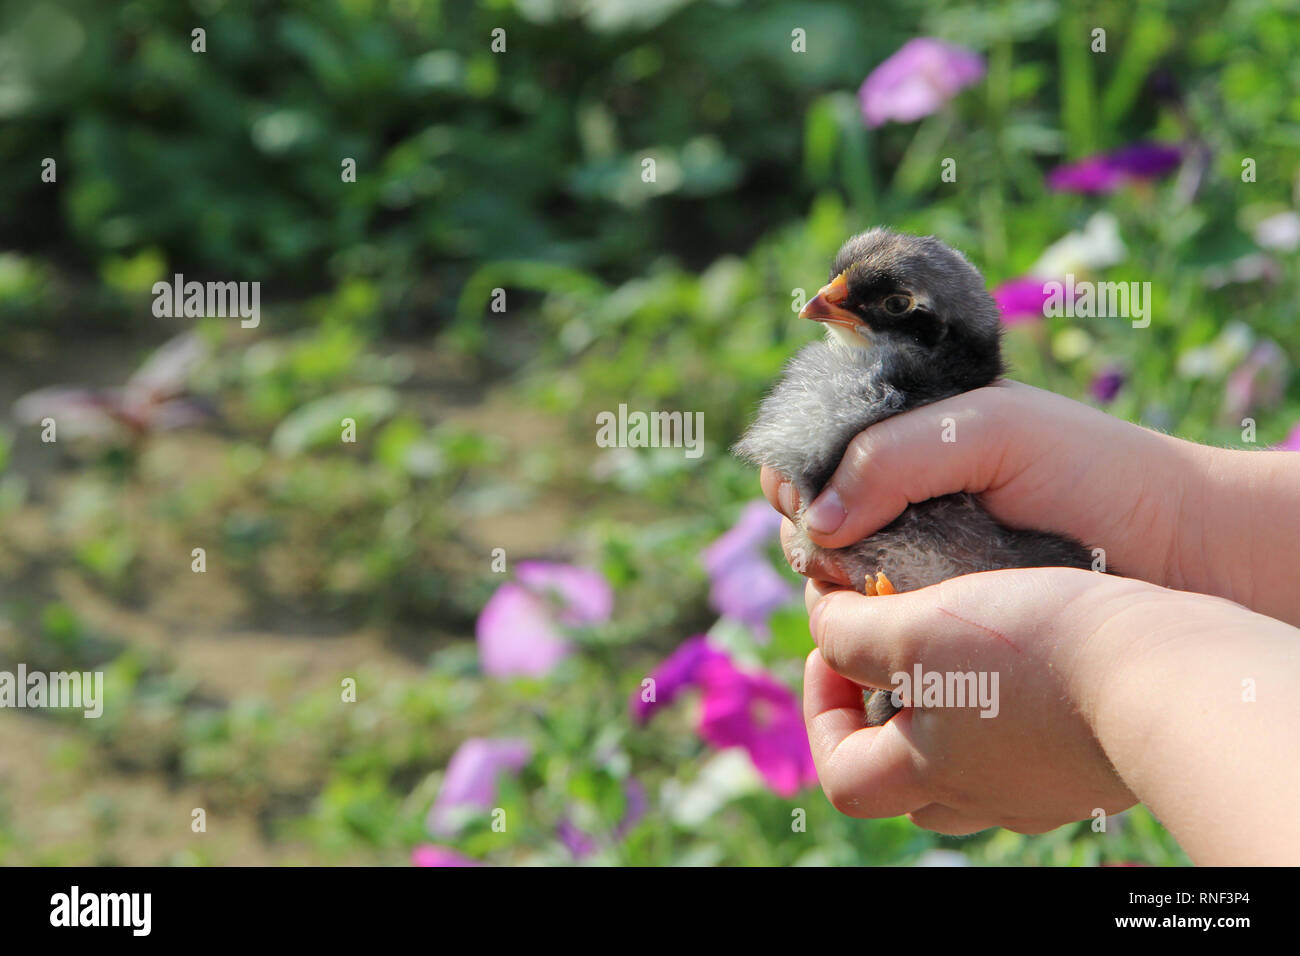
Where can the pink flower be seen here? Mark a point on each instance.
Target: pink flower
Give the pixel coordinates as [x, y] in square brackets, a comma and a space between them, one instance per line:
[584, 595]
[471, 780]
[762, 715]
[520, 630]
[743, 584]
[427, 854]
[918, 79]
[1291, 442]
[740, 709]
[1108, 171]
[1020, 300]
[678, 672]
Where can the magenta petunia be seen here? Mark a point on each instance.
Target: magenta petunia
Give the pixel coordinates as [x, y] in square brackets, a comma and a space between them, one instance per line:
[1021, 299]
[739, 709]
[762, 715]
[471, 780]
[918, 79]
[1108, 171]
[1291, 442]
[427, 854]
[679, 671]
[520, 630]
[1092, 175]
[743, 584]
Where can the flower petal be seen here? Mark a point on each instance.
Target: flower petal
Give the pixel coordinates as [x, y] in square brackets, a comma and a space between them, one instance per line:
[679, 671]
[471, 779]
[517, 634]
[428, 854]
[584, 595]
[916, 80]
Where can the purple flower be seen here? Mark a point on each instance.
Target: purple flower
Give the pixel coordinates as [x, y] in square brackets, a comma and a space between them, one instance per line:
[1020, 299]
[1106, 385]
[913, 83]
[762, 715]
[743, 584]
[1108, 171]
[471, 780]
[577, 842]
[582, 844]
[520, 630]
[679, 671]
[739, 709]
[427, 854]
[584, 595]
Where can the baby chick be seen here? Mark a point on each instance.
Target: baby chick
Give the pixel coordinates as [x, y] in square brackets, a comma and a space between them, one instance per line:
[908, 322]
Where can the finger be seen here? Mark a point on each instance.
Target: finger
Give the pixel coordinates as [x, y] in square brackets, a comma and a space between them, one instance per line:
[815, 590]
[869, 639]
[864, 771]
[941, 819]
[810, 562]
[950, 446]
[779, 491]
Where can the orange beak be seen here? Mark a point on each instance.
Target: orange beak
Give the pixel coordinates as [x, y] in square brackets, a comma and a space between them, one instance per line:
[825, 305]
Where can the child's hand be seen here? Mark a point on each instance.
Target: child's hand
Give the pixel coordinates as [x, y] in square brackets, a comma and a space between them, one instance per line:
[1036, 459]
[1109, 691]
[1032, 766]
[1167, 511]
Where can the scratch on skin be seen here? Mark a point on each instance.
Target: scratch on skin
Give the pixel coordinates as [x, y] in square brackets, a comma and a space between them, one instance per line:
[987, 630]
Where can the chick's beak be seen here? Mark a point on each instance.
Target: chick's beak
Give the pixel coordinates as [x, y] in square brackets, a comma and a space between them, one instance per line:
[825, 305]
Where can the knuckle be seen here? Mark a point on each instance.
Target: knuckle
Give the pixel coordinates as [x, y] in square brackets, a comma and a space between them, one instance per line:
[861, 455]
[831, 646]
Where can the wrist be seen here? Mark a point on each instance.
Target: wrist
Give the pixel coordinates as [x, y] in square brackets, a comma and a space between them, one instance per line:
[1238, 523]
[1194, 707]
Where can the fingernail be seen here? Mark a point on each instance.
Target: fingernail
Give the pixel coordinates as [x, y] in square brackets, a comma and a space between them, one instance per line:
[787, 498]
[826, 513]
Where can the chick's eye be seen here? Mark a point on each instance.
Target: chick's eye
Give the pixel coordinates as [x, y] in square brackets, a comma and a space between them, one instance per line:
[898, 304]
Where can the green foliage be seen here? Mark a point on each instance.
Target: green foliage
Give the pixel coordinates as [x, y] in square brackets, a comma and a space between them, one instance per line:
[521, 172]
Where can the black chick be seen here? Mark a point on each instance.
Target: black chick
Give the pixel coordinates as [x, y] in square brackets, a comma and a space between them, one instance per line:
[908, 322]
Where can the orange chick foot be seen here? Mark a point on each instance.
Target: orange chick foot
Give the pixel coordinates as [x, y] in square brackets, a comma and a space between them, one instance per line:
[881, 585]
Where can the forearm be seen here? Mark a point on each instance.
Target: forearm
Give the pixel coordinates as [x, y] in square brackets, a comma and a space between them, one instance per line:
[1241, 515]
[1199, 713]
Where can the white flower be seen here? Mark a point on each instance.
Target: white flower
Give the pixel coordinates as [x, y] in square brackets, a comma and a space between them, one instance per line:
[1097, 247]
[1281, 232]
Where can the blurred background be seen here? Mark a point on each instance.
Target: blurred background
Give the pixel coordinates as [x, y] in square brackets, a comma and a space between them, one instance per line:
[428, 645]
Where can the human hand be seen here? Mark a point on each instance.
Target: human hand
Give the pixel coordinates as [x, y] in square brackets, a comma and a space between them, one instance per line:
[1110, 690]
[1033, 765]
[1036, 460]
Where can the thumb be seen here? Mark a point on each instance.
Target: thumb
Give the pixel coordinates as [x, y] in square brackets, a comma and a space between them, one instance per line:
[912, 457]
